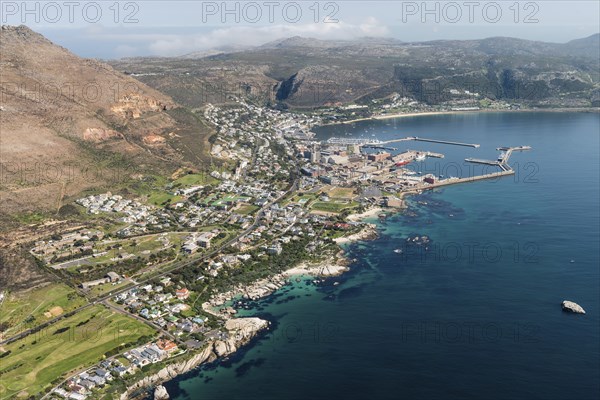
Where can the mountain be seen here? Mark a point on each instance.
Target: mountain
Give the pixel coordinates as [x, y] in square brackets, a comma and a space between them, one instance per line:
[306, 72]
[586, 47]
[71, 124]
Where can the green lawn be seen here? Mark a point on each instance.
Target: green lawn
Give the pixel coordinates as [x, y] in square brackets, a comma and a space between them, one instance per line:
[99, 290]
[247, 209]
[24, 310]
[302, 200]
[66, 347]
[160, 198]
[195, 180]
[332, 206]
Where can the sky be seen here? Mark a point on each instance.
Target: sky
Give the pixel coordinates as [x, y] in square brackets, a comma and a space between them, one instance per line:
[115, 29]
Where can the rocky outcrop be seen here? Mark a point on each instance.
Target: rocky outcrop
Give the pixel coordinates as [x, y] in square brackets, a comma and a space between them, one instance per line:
[570, 306]
[133, 106]
[160, 393]
[153, 139]
[98, 135]
[240, 333]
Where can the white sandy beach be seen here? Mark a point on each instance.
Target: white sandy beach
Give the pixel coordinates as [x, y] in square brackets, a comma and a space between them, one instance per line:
[367, 214]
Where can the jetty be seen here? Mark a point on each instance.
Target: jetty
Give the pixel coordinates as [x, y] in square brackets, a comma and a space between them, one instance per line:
[446, 142]
[502, 161]
[366, 142]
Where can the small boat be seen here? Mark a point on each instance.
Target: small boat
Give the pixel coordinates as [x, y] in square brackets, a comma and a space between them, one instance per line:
[398, 251]
[572, 261]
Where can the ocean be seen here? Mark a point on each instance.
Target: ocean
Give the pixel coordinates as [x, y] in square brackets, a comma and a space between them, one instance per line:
[471, 312]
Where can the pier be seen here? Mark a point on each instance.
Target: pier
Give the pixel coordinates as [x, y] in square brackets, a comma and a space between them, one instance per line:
[372, 146]
[502, 161]
[352, 141]
[375, 142]
[453, 181]
[446, 142]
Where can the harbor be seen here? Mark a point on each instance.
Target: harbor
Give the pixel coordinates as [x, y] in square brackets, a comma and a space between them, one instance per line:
[390, 171]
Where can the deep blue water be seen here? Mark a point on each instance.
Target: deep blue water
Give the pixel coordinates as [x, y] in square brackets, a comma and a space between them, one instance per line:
[477, 314]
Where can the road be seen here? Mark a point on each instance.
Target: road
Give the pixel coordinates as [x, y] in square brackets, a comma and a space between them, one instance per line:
[293, 187]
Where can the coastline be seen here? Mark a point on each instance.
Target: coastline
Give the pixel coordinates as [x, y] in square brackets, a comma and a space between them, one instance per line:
[366, 214]
[431, 113]
[243, 330]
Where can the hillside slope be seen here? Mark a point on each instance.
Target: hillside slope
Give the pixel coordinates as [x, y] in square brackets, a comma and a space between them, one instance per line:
[304, 72]
[70, 124]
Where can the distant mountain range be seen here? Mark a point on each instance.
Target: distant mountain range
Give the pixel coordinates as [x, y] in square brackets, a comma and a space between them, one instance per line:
[305, 72]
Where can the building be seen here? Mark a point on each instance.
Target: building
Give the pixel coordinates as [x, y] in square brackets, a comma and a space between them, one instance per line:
[166, 345]
[89, 284]
[182, 294]
[377, 157]
[113, 276]
[314, 153]
[275, 249]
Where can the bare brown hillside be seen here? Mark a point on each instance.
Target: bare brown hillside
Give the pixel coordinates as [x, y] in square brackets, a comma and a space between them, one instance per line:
[69, 124]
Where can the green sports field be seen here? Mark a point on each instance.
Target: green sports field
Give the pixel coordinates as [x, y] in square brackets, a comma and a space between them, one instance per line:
[33, 364]
[22, 311]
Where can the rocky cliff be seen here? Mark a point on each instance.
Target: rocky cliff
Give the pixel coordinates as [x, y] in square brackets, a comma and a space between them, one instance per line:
[241, 331]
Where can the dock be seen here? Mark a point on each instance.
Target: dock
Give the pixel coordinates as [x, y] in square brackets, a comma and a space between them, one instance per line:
[446, 142]
[375, 142]
[453, 181]
[378, 147]
[502, 161]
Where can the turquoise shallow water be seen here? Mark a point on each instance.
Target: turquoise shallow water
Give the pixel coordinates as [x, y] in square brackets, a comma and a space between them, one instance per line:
[473, 314]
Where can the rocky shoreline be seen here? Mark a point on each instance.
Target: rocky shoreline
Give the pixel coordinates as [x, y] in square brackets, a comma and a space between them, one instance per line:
[369, 232]
[242, 330]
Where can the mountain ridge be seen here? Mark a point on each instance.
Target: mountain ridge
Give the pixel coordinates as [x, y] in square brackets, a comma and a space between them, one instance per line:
[306, 72]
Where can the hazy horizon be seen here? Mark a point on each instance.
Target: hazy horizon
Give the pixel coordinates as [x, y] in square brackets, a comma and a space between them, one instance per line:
[59, 39]
[153, 28]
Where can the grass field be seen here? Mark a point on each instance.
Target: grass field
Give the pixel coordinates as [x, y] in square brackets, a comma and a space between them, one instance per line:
[302, 200]
[195, 180]
[332, 206]
[341, 193]
[160, 198]
[40, 360]
[247, 209]
[24, 310]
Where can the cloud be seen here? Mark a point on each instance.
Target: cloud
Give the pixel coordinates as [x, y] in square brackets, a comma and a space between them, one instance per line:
[238, 36]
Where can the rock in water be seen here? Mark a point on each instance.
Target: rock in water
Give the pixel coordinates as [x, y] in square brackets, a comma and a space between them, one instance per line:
[572, 307]
[160, 393]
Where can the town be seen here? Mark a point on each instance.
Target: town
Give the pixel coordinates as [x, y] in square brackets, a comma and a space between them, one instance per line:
[165, 256]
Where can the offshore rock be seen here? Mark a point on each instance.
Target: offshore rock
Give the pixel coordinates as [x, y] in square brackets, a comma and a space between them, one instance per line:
[570, 306]
[160, 393]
